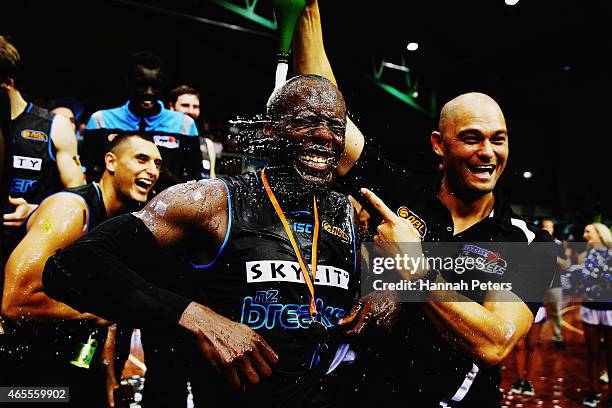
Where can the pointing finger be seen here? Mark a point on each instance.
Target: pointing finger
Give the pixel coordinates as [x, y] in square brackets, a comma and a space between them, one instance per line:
[379, 205]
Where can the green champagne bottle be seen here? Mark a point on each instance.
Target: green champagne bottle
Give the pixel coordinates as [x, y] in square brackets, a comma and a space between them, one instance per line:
[84, 352]
[288, 13]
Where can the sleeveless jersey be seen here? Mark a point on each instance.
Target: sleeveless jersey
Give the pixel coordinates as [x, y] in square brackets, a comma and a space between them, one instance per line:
[93, 199]
[256, 280]
[56, 341]
[33, 171]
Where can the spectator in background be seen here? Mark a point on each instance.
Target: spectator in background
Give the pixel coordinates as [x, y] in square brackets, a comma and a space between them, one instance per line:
[174, 134]
[45, 334]
[596, 313]
[186, 100]
[555, 293]
[44, 148]
[68, 107]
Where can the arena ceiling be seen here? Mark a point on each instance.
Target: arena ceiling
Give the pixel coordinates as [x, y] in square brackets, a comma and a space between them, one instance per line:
[544, 61]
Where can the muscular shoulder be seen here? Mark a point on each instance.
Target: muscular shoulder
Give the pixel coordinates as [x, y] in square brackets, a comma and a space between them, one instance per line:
[188, 204]
[62, 213]
[61, 132]
[114, 118]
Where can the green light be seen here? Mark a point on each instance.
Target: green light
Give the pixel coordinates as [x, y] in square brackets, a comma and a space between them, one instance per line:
[527, 175]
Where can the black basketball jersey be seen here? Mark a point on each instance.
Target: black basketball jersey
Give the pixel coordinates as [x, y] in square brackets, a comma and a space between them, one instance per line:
[95, 204]
[56, 341]
[33, 171]
[256, 280]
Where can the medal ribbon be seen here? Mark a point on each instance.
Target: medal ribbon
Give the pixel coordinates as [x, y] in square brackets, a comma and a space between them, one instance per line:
[296, 249]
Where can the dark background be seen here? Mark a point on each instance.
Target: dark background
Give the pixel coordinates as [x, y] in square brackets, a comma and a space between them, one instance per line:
[544, 61]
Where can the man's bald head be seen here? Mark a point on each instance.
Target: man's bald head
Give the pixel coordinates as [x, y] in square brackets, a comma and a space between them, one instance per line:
[471, 105]
[312, 89]
[472, 142]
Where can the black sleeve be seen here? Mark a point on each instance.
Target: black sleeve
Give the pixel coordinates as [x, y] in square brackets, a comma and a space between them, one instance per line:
[104, 273]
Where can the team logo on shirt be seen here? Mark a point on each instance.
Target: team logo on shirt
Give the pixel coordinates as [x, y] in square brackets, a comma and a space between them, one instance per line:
[416, 221]
[36, 135]
[265, 311]
[337, 231]
[287, 271]
[21, 186]
[27, 163]
[487, 261]
[169, 142]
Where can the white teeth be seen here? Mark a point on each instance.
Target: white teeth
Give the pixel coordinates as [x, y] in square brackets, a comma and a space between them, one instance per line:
[145, 182]
[315, 159]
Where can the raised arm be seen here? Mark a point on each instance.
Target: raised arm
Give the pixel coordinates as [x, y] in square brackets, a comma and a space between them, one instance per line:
[309, 57]
[60, 220]
[66, 155]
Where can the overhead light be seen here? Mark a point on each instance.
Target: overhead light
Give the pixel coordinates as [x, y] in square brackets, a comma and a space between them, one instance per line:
[511, 2]
[412, 46]
[527, 175]
[395, 66]
[415, 94]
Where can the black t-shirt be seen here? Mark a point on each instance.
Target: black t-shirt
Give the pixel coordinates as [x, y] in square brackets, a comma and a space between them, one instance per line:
[432, 367]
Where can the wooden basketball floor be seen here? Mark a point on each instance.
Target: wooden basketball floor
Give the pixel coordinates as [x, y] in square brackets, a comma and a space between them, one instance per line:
[560, 377]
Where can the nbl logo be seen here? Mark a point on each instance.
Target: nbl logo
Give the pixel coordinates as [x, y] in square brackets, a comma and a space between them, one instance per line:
[416, 221]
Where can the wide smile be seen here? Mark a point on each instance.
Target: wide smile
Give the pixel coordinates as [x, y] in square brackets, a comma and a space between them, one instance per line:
[147, 103]
[143, 185]
[316, 161]
[482, 172]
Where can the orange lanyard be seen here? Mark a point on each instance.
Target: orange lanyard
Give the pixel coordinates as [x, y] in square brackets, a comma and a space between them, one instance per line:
[296, 249]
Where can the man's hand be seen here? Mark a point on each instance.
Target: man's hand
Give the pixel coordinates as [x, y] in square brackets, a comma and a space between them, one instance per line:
[233, 349]
[22, 211]
[376, 311]
[397, 236]
[393, 228]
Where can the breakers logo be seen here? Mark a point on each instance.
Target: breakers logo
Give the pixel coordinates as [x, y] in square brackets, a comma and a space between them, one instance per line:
[23, 185]
[169, 142]
[492, 262]
[287, 271]
[34, 135]
[416, 221]
[264, 311]
[337, 232]
[28, 163]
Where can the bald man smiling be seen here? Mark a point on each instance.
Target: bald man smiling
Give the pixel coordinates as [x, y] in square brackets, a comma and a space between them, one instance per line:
[444, 351]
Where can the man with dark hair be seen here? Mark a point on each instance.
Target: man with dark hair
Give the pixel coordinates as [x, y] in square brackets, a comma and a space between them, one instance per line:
[174, 133]
[43, 332]
[264, 321]
[44, 147]
[186, 100]
[453, 337]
